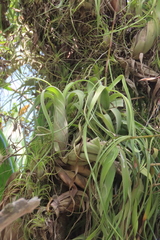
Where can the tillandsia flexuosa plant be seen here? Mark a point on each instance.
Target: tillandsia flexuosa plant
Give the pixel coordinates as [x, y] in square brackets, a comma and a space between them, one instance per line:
[126, 32]
[144, 39]
[93, 166]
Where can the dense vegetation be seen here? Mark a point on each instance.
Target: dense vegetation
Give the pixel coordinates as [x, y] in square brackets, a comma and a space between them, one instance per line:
[88, 118]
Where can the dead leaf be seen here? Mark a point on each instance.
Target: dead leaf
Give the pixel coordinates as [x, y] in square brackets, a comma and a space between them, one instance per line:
[23, 110]
[136, 68]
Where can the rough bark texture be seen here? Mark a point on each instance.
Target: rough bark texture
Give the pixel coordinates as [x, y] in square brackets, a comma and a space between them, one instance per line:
[13, 211]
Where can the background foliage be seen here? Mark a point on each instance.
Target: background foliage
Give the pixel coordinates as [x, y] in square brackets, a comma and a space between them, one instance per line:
[87, 121]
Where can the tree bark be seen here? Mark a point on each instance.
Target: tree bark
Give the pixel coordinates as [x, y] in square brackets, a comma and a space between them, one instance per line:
[14, 210]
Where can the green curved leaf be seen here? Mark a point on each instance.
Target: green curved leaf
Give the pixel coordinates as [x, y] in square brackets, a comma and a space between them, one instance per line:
[7, 167]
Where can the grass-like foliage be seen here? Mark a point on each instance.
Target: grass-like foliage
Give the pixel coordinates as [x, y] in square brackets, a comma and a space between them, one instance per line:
[92, 165]
[90, 160]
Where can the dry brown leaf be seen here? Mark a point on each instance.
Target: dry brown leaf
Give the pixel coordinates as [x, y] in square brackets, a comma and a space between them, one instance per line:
[136, 68]
[83, 170]
[70, 178]
[64, 176]
[67, 202]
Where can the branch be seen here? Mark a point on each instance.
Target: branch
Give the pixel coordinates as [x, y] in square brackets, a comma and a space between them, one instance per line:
[17, 209]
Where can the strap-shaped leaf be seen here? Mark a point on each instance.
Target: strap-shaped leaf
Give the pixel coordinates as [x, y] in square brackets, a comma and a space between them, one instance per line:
[7, 166]
[59, 128]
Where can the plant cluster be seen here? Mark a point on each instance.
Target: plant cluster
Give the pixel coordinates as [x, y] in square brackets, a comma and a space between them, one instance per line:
[93, 156]
[92, 165]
